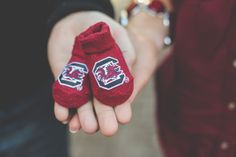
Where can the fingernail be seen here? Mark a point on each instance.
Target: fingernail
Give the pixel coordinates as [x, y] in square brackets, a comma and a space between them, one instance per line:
[64, 122]
[73, 130]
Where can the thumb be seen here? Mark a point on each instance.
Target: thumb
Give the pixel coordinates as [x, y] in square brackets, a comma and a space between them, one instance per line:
[122, 39]
[59, 50]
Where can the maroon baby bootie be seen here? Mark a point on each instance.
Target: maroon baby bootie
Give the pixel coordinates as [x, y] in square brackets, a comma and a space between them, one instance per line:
[110, 78]
[71, 89]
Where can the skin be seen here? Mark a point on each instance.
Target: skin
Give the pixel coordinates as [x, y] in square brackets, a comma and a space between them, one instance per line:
[141, 52]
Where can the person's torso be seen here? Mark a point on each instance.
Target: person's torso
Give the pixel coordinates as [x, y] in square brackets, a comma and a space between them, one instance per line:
[205, 58]
[197, 85]
[23, 35]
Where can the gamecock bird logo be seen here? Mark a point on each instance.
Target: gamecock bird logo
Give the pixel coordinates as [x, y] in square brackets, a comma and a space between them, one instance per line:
[108, 73]
[73, 75]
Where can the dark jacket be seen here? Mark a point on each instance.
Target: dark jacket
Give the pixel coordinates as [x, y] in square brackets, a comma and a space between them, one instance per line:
[197, 85]
[24, 30]
[27, 125]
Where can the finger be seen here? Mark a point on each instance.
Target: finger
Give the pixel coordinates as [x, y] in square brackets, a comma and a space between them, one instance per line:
[123, 113]
[87, 118]
[106, 118]
[61, 113]
[130, 58]
[125, 44]
[74, 124]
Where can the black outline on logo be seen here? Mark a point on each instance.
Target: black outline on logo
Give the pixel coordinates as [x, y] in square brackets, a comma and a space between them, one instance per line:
[113, 84]
[77, 84]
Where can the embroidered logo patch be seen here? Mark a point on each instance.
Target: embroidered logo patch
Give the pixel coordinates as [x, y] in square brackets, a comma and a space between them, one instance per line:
[108, 73]
[73, 75]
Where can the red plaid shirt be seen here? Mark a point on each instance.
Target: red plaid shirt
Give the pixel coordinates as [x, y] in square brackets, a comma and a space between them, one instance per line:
[197, 84]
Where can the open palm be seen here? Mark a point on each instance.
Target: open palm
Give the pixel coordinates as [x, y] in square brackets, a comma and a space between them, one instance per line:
[93, 115]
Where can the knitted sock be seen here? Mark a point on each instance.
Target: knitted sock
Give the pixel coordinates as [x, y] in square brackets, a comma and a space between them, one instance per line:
[71, 89]
[110, 78]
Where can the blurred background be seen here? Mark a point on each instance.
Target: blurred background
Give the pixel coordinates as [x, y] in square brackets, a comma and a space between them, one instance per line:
[137, 139]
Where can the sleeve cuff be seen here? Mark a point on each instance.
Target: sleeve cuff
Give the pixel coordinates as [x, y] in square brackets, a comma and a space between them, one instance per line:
[65, 8]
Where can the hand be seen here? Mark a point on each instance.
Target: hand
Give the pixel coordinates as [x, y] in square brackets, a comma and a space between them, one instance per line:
[147, 35]
[93, 115]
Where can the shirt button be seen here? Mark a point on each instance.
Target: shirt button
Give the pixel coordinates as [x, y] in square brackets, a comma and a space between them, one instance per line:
[224, 145]
[234, 63]
[231, 106]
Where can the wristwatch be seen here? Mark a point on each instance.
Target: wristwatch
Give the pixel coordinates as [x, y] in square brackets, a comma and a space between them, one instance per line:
[153, 8]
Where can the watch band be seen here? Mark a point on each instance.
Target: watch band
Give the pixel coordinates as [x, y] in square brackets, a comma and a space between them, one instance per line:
[154, 7]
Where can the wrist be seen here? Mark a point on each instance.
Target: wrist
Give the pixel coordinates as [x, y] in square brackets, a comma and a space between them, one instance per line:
[140, 12]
